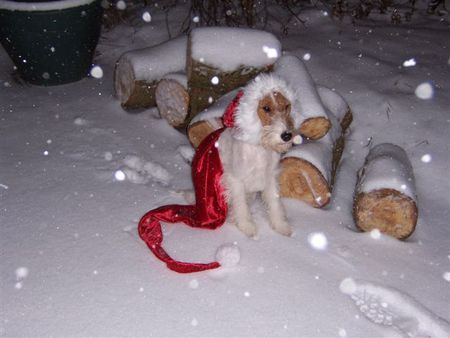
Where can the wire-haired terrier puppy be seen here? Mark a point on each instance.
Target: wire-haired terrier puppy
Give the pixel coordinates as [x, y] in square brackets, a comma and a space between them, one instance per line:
[250, 151]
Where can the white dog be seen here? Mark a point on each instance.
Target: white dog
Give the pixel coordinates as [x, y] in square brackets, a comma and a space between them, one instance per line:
[250, 151]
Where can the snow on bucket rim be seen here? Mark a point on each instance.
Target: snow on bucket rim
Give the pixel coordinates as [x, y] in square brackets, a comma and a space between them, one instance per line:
[43, 6]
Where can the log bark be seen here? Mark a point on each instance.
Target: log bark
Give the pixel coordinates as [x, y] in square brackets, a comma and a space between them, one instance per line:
[385, 197]
[138, 72]
[308, 171]
[309, 112]
[210, 75]
[172, 99]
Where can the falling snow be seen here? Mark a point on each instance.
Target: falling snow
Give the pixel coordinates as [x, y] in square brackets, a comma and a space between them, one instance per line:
[342, 333]
[96, 72]
[297, 139]
[272, 53]
[424, 91]
[426, 158]
[108, 156]
[215, 80]
[119, 175]
[121, 5]
[318, 240]
[146, 17]
[409, 63]
[22, 273]
[375, 233]
[70, 245]
[80, 121]
[446, 276]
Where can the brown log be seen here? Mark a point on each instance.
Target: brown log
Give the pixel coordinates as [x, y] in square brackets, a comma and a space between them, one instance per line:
[209, 119]
[308, 171]
[387, 203]
[138, 72]
[202, 90]
[301, 180]
[198, 131]
[315, 128]
[172, 99]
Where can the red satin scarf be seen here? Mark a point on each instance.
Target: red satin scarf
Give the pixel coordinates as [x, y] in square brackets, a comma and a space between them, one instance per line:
[210, 210]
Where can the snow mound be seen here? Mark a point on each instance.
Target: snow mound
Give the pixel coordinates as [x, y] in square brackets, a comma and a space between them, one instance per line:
[152, 63]
[388, 166]
[139, 171]
[228, 255]
[157, 172]
[186, 152]
[424, 91]
[80, 121]
[229, 48]
[390, 307]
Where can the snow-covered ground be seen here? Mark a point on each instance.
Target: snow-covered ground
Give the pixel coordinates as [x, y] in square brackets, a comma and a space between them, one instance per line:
[77, 173]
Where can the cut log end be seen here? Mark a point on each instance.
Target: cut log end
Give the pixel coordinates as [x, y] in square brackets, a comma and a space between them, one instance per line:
[299, 179]
[387, 210]
[197, 131]
[315, 128]
[132, 93]
[172, 100]
[123, 80]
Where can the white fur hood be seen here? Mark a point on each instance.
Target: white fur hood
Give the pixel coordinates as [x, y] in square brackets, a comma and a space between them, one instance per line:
[248, 126]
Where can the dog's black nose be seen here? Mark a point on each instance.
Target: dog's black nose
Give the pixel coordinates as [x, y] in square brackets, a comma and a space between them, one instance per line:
[286, 136]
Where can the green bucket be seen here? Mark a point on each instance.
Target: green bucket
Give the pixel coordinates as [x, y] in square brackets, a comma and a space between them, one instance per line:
[51, 42]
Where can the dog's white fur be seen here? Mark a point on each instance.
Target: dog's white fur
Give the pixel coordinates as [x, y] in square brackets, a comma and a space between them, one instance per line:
[250, 163]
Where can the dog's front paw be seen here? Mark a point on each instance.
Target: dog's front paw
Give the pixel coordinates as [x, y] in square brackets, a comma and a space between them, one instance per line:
[283, 228]
[247, 228]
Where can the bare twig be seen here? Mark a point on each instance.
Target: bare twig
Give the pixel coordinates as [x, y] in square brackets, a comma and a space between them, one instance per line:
[369, 143]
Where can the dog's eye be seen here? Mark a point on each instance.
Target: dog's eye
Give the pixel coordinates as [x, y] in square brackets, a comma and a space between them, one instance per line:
[267, 109]
[288, 106]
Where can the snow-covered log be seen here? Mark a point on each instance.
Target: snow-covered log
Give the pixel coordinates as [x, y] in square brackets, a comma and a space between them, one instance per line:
[209, 119]
[310, 114]
[138, 72]
[172, 99]
[220, 59]
[308, 171]
[385, 195]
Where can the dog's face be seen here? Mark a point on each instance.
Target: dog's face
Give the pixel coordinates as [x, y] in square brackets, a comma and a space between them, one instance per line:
[274, 111]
